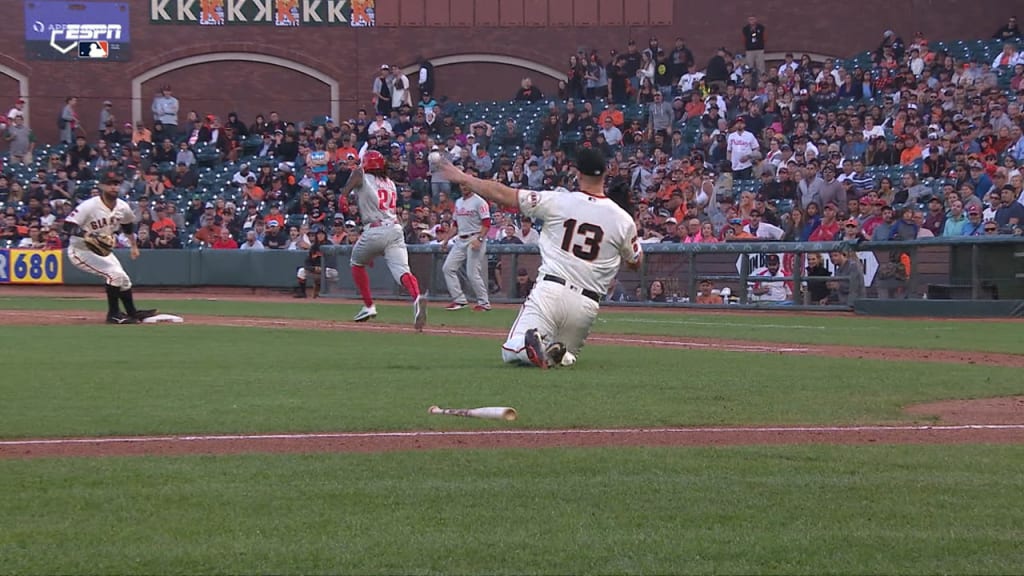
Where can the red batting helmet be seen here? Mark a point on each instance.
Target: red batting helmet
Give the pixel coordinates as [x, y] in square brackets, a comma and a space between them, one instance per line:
[373, 161]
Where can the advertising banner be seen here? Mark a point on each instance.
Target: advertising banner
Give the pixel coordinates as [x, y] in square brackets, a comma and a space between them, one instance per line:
[285, 13]
[23, 266]
[61, 30]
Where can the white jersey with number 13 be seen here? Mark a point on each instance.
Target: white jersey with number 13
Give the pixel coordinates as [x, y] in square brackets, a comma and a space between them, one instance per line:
[585, 238]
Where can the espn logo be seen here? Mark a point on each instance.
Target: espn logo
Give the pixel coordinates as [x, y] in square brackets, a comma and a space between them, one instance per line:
[94, 49]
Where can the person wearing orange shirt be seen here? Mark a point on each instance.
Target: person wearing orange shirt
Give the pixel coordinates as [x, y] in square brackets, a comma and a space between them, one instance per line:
[738, 233]
[274, 216]
[611, 112]
[141, 134]
[252, 192]
[162, 220]
[695, 107]
[911, 150]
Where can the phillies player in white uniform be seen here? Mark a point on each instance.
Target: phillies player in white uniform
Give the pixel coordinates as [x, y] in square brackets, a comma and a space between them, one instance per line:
[585, 238]
[468, 246]
[382, 235]
[106, 214]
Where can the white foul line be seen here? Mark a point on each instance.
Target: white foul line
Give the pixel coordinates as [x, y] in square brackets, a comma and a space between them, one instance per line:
[491, 433]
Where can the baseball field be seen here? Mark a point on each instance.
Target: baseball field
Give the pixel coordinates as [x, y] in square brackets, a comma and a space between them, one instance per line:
[266, 435]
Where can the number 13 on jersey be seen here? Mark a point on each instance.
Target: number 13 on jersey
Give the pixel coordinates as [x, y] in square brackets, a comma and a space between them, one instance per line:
[587, 238]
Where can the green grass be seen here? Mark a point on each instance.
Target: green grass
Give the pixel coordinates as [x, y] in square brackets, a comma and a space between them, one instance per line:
[770, 510]
[182, 379]
[844, 330]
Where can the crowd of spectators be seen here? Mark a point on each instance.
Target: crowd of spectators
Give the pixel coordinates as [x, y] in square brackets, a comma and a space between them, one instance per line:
[917, 143]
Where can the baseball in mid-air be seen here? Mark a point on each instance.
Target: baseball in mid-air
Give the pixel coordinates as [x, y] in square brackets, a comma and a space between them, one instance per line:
[434, 158]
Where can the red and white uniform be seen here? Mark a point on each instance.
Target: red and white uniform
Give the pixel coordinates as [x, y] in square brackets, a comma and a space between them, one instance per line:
[778, 290]
[584, 241]
[740, 146]
[472, 213]
[382, 234]
[94, 216]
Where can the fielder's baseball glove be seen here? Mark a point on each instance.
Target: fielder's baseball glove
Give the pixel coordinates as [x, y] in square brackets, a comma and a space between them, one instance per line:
[99, 244]
[620, 194]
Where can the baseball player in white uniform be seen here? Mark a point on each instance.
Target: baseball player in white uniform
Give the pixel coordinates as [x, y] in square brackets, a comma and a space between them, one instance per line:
[585, 238]
[382, 235]
[106, 214]
[468, 246]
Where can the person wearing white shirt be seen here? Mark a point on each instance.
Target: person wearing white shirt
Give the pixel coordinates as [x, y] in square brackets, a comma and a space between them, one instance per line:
[762, 229]
[688, 81]
[17, 110]
[378, 126]
[1008, 58]
[871, 130]
[828, 68]
[251, 242]
[401, 95]
[789, 64]
[719, 101]
[740, 146]
[528, 234]
[242, 176]
[771, 291]
[165, 110]
[612, 134]
[453, 150]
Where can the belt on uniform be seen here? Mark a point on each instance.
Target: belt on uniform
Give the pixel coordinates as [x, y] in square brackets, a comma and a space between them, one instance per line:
[464, 236]
[588, 293]
[379, 223]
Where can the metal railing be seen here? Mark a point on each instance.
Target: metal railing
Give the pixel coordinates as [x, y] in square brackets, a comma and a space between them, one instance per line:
[968, 268]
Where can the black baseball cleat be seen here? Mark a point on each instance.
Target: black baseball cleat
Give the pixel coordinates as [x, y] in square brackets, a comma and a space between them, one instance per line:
[555, 353]
[535, 349]
[121, 318]
[141, 315]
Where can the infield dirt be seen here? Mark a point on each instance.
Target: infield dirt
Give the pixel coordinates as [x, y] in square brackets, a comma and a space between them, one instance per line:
[995, 420]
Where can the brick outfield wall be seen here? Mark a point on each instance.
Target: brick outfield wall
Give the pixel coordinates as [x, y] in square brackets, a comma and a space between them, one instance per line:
[353, 55]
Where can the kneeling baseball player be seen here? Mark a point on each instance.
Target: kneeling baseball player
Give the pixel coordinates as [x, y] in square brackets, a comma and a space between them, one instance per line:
[92, 226]
[314, 268]
[585, 238]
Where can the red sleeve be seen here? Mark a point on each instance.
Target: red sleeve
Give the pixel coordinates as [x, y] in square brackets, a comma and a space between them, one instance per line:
[486, 222]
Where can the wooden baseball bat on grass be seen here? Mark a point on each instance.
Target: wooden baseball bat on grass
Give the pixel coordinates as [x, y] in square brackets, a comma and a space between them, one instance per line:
[487, 412]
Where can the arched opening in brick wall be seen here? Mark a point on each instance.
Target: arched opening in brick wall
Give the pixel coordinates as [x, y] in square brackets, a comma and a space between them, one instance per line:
[22, 91]
[208, 83]
[479, 76]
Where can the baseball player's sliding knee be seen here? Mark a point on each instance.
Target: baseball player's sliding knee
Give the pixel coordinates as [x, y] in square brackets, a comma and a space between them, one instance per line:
[122, 281]
[510, 357]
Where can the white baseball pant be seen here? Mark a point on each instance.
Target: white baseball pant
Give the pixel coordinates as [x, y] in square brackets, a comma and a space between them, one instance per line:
[107, 267]
[461, 253]
[328, 273]
[387, 241]
[559, 313]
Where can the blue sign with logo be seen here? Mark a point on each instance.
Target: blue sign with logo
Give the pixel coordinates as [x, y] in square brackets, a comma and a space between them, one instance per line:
[62, 30]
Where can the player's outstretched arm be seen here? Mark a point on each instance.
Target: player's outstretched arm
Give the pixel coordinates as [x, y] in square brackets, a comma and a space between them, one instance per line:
[355, 179]
[489, 189]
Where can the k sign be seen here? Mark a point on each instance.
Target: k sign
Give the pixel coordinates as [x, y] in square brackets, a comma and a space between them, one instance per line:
[77, 30]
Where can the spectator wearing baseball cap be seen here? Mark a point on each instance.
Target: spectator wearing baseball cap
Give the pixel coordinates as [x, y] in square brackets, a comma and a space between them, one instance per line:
[975, 226]
[523, 284]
